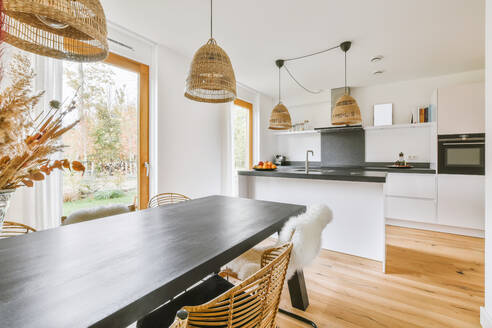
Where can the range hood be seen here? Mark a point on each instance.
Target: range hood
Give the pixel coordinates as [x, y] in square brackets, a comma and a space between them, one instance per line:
[337, 129]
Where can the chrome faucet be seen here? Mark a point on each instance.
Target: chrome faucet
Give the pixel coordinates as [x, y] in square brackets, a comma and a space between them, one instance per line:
[307, 160]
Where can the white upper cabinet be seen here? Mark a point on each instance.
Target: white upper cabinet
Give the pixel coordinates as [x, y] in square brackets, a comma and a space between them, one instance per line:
[461, 109]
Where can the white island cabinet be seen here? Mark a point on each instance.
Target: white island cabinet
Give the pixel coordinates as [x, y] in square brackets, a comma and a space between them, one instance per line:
[445, 202]
[358, 226]
[411, 197]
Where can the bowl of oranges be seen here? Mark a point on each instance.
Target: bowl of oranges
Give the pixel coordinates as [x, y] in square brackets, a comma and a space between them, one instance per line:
[265, 166]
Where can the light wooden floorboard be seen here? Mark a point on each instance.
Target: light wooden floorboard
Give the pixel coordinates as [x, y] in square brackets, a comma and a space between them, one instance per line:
[433, 279]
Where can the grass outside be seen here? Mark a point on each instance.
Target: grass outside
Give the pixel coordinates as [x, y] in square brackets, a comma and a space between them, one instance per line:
[69, 207]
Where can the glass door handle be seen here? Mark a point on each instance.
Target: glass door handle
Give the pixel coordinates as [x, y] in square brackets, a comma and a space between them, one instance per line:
[147, 168]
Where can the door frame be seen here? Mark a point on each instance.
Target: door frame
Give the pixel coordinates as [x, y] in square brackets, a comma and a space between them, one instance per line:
[249, 107]
[143, 122]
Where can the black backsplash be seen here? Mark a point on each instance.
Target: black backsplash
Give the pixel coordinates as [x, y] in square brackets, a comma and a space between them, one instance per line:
[343, 148]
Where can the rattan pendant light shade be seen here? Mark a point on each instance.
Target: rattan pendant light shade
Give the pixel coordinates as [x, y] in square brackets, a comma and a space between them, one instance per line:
[64, 29]
[280, 118]
[211, 77]
[346, 111]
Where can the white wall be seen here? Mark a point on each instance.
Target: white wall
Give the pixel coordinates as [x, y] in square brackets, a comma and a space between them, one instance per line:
[405, 97]
[189, 134]
[267, 139]
[384, 145]
[486, 315]
[295, 146]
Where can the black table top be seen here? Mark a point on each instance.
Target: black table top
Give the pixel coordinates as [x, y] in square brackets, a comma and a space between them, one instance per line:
[112, 271]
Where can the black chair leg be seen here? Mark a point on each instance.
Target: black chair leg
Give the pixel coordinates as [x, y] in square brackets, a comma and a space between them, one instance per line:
[298, 317]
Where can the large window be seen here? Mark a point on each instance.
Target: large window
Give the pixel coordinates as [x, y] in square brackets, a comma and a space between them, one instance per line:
[107, 139]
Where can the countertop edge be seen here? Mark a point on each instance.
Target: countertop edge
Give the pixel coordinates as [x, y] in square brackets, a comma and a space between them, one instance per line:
[334, 177]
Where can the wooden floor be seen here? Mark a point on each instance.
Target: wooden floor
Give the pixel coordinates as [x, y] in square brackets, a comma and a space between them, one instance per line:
[433, 280]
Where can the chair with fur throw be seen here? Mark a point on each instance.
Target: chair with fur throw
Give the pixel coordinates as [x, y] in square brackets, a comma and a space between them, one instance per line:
[304, 231]
[88, 214]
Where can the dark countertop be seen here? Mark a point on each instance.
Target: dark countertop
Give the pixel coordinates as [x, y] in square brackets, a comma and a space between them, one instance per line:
[376, 173]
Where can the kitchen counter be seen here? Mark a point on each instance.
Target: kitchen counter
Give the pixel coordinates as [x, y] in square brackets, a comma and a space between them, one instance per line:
[373, 173]
[355, 196]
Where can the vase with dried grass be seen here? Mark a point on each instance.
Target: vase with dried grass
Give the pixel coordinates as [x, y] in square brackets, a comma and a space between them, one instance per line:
[27, 140]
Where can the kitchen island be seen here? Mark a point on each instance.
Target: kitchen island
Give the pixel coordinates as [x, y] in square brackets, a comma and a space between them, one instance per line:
[356, 196]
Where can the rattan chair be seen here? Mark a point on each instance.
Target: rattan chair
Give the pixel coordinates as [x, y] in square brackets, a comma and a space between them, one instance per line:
[12, 229]
[166, 199]
[297, 230]
[252, 303]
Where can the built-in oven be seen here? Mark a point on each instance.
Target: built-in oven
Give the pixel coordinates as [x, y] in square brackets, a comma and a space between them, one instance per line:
[461, 154]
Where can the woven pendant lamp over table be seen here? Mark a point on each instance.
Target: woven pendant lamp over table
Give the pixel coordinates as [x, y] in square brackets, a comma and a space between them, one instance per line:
[64, 29]
[346, 110]
[211, 77]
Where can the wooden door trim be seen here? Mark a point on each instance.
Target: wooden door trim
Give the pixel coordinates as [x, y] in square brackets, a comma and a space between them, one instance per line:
[143, 139]
[249, 107]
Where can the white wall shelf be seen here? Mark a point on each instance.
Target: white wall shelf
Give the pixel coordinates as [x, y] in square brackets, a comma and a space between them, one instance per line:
[401, 126]
[283, 133]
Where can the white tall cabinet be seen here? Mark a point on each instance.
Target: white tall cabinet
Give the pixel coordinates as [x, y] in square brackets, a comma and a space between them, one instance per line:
[461, 109]
[444, 202]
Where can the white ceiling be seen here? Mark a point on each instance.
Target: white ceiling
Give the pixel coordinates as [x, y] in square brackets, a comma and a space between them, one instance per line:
[417, 38]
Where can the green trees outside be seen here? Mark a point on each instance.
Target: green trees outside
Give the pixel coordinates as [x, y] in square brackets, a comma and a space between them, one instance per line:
[106, 138]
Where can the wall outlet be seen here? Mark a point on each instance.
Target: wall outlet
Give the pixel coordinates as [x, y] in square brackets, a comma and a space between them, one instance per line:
[412, 157]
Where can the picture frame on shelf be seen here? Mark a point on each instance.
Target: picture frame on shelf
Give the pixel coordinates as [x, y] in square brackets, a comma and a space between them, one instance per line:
[383, 114]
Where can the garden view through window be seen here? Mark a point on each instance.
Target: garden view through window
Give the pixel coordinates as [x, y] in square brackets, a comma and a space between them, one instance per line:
[105, 140]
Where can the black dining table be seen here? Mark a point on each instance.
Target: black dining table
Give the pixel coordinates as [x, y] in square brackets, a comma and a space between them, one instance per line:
[113, 271]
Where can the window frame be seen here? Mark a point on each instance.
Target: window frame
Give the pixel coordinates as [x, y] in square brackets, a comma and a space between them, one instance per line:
[143, 125]
[249, 106]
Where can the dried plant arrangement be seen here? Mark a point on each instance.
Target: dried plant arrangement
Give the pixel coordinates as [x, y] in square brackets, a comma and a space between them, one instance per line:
[27, 141]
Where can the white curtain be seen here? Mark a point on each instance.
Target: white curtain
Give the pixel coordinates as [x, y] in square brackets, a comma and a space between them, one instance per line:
[41, 206]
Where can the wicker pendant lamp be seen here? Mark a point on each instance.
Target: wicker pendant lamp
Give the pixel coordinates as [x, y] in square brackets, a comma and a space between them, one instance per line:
[64, 29]
[280, 117]
[211, 77]
[346, 110]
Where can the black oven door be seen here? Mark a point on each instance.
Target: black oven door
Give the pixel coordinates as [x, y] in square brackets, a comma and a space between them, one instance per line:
[462, 154]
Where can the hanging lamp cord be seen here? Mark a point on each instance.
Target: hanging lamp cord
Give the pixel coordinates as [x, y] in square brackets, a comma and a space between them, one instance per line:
[310, 55]
[279, 86]
[345, 72]
[211, 19]
[302, 86]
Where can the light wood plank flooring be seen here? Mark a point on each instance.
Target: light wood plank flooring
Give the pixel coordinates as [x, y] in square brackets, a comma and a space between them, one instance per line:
[433, 280]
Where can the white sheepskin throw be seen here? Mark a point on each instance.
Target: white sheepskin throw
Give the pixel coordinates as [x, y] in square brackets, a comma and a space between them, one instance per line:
[303, 230]
[248, 263]
[307, 229]
[95, 213]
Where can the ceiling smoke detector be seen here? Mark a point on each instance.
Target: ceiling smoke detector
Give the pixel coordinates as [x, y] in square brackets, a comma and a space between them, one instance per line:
[376, 59]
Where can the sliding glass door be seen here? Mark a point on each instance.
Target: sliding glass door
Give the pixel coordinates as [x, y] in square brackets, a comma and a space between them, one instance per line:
[112, 138]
